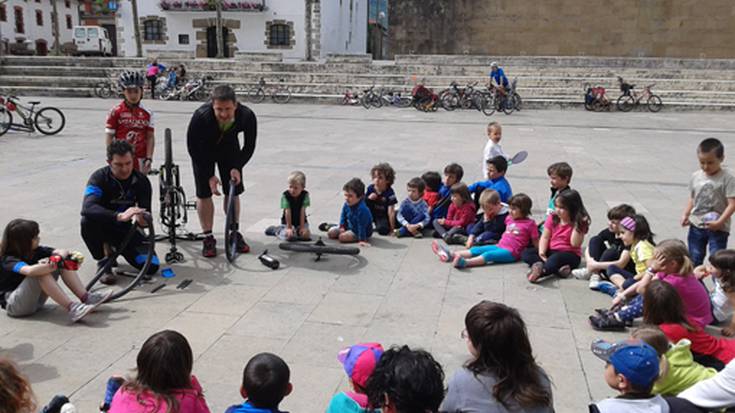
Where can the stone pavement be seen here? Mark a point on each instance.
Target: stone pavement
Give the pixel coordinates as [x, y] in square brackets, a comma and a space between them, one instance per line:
[395, 292]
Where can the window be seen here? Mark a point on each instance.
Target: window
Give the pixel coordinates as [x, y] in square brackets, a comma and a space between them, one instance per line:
[152, 30]
[280, 35]
[19, 26]
[80, 32]
[3, 13]
[68, 21]
[67, 4]
[39, 18]
[183, 39]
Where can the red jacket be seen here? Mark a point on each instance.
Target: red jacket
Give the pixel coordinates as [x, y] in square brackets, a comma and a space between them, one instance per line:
[460, 217]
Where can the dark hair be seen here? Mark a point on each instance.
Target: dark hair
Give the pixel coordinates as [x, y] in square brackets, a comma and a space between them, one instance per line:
[522, 202]
[417, 183]
[724, 260]
[18, 238]
[16, 395]
[411, 380]
[561, 169]
[224, 93]
[653, 336]
[642, 229]
[461, 189]
[432, 180]
[662, 305]
[120, 148]
[454, 169]
[164, 367]
[572, 202]
[386, 170]
[265, 380]
[510, 360]
[712, 145]
[499, 162]
[355, 185]
[620, 211]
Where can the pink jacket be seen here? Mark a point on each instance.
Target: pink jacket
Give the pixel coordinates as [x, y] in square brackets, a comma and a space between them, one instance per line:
[190, 401]
[460, 217]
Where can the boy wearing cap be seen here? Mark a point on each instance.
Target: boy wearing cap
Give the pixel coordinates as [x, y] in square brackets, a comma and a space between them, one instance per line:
[359, 362]
[265, 382]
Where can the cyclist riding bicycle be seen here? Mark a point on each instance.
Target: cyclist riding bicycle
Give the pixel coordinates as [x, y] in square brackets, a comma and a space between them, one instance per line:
[114, 198]
[212, 139]
[130, 121]
[497, 74]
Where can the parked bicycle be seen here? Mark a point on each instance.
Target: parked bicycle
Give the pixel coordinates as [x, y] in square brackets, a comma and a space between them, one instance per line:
[279, 93]
[108, 88]
[456, 97]
[194, 89]
[631, 98]
[47, 120]
[595, 98]
[351, 98]
[390, 98]
[371, 98]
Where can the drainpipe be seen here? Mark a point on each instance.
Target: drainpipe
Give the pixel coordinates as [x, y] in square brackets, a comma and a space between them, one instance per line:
[220, 39]
[55, 29]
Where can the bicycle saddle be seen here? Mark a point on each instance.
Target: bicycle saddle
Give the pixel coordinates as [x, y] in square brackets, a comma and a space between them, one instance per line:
[35, 102]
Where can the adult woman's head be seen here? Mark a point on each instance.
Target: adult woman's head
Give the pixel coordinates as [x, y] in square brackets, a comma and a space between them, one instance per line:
[16, 395]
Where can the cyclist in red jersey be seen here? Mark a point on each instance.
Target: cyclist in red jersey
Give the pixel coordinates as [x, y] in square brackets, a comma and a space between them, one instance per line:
[130, 121]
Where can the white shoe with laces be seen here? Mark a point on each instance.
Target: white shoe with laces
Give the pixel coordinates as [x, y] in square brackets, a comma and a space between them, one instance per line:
[594, 281]
[581, 273]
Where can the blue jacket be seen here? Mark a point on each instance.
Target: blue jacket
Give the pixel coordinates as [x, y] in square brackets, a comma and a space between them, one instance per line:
[442, 207]
[500, 184]
[249, 408]
[357, 219]
[499, 77]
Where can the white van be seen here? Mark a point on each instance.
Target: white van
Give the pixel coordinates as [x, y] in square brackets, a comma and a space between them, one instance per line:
[92, 40]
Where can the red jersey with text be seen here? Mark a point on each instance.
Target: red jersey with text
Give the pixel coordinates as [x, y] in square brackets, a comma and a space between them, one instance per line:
[131, 124]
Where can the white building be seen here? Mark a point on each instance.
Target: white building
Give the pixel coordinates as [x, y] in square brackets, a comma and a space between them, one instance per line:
[299, 29]
[27, 25]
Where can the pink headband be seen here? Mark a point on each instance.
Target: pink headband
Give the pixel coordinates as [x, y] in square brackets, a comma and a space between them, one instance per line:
[628, 223]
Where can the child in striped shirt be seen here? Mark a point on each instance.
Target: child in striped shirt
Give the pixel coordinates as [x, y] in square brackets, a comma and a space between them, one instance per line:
[413, 214]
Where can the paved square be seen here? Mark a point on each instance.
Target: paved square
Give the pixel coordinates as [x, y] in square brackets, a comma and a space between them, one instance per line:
[396, 292]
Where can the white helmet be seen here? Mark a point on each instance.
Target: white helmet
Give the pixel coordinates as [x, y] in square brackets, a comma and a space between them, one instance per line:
[494, 64]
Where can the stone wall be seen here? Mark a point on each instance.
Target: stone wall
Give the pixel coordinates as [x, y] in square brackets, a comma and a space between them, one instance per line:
[636, 28]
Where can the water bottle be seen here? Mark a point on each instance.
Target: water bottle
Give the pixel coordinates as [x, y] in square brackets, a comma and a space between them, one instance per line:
[269, 261]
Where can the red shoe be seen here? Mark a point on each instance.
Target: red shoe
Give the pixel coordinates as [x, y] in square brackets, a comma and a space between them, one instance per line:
[209, 247]
[242, 246]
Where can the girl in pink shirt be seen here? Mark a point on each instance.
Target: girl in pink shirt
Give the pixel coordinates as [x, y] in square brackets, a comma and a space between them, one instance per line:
[164, 383]
[461, 213]
[520, 230]
[559, 249]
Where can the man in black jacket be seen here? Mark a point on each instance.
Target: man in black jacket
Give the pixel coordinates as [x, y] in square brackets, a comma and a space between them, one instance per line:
[212, 139]
[114, 198]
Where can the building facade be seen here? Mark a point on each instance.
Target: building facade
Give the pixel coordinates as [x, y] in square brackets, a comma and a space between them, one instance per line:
[298, 29]
[27, 26]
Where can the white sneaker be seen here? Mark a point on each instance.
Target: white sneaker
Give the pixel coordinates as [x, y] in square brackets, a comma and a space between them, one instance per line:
[79, 310]
[581, 273]
[594, 281]
[98, 297]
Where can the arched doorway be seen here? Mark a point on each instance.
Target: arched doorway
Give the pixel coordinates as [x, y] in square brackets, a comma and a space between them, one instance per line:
[212, 41]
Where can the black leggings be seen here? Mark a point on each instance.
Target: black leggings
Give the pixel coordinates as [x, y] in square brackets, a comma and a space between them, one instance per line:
[152, 81]
[96, 235]
[554, 259]
[599, 251]
[441, 232]
[382, 224]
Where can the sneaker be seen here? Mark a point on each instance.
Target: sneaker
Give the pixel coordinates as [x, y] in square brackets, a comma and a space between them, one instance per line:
[608, 288]
[459, 262]
[594, 281]
[606, 323]
[537, 269]
[242, 246]
[581, 273]
[565, 271]
[79, 310]
[271, 231]
[108, 278]
[418, 234]
[397, 233]
[324, 226]
[441, 250]
[97, 298]
[457, 239]
[209, 247]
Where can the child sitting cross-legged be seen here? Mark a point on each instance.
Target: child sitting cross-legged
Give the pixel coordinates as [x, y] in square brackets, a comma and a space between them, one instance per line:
[606, 248]
[453, 174]
[413, 214]
[490, 224]
[520, 230]
[294, 202]
[355, 221]
[461, 214]
[359, 362]
[381, 199]
[433, 182]
[265, 382]
[721, 267]
[496, 169]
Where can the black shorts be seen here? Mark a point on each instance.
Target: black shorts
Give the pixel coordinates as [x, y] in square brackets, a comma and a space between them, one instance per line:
[204, 171]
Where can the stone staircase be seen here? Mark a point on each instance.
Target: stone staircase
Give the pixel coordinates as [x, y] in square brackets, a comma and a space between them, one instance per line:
[542, 81]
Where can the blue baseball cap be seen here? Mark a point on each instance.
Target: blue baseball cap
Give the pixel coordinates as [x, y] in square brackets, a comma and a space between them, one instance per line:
[359, 361]
[634, 359]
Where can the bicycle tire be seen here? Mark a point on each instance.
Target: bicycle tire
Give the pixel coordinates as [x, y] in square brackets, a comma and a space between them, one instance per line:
[6, 119]
[517, 101]
[281, 95]
[230, 239]
[488, 105]
[46, 120]
[318, 249]
[255, 95]
[625, 103]
[200, 94]
[150, 240]
[508, 105]
[405, 102]
[654, 103]
[365, 100]
[168, 152]
[449, 101]
[589, 106]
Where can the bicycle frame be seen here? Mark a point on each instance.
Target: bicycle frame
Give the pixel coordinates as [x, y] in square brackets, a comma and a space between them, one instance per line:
[25, 112]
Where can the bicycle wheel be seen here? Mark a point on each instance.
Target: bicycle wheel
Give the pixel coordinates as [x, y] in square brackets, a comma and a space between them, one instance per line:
[507, 105]
[6, 119]
[256, 95]
[517, 101]
[103, 90]
[200, 94]
[282, 95]
[405, 102]
[625, 103]
[230, 230]
[318, 248]
[654, 103]
[150, 246]
[50, 121]
[365, 101]
[487, 104]
[449, 101]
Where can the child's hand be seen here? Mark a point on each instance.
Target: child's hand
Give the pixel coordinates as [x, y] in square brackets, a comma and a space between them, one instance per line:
[363, 244]
[591, 262]
[714, 225]
[542, 255]
[619, 298]
[303, 233]
[701, 272]
[468, 245]
[289, 233]
[728, 331]
[441, 221]
[684, 220]
[373, 196]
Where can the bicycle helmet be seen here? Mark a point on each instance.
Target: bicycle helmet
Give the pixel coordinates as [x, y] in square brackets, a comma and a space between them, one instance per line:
[131, 79]
[494, 65]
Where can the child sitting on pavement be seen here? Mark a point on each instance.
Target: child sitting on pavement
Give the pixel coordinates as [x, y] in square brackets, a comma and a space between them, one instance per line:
[355, 221]
[490, 225]
[381, 199]
[433, 182]
[560, 176]
[721, 267]
[496, 168]
[606, 248]
[359, 361]
[453, 174]
[294, 202]
[265, 382]
[492, 147]
[461, 214]
[677, 369]
[413, 214]
[520, 230]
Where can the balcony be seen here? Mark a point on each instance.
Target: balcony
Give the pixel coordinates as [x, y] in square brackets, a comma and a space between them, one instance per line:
[202, 5]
